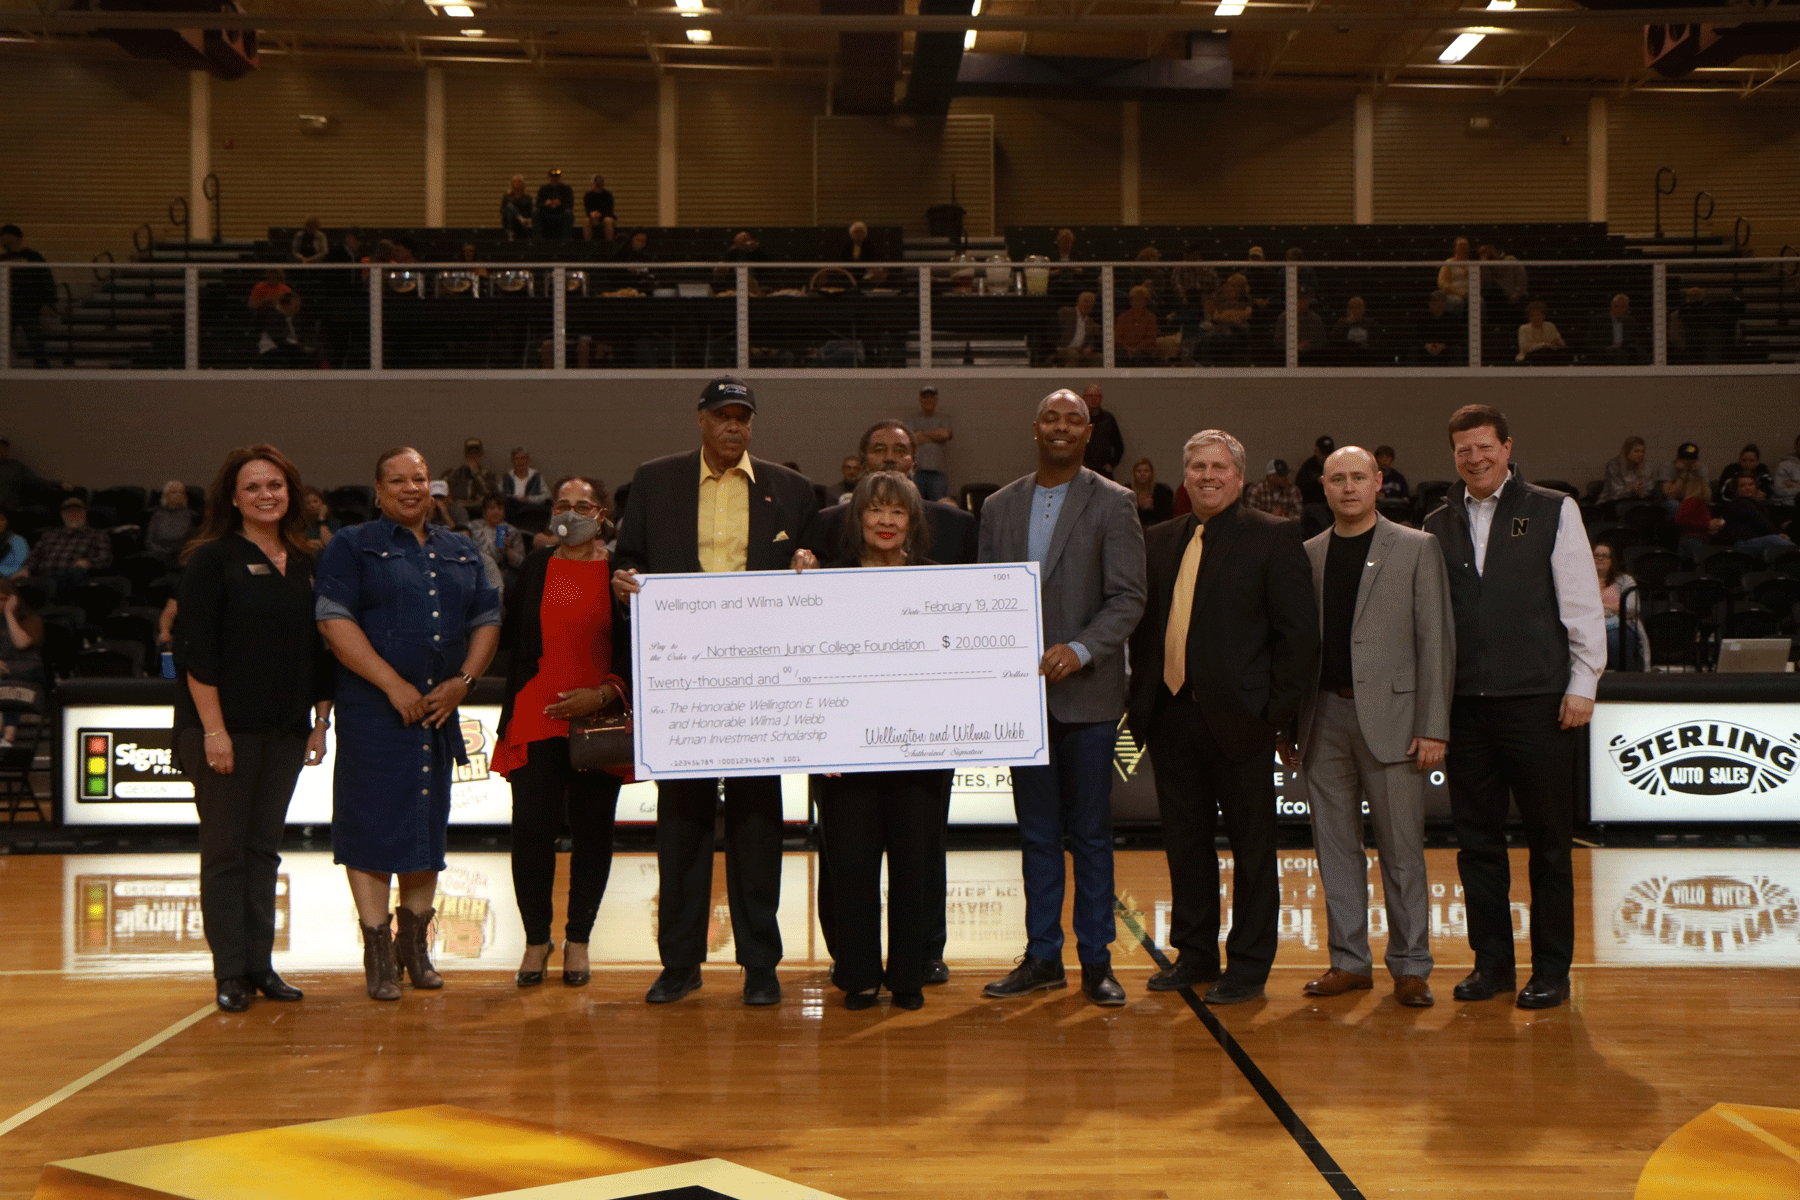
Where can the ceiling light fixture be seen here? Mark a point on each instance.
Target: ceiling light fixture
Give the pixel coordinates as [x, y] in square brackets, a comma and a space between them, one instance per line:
[969, 34]
[458, 10]
[1229, 8]
[1459, 49]
[698, 37]
[474, 32]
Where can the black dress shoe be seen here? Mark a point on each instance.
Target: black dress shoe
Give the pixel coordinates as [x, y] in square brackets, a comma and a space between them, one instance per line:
[234, 995]
[274, 986]
[1099, 986]
[1543, 993]
[857, 1001]
[526, 978]
[1485, 985]
[762, 987]
[672, 984]
[1230, 991]
[910, 1001]
[1029, 976]
[936, 971]
[1185, 972]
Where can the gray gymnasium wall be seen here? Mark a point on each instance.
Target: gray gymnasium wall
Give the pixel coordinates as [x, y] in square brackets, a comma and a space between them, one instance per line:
[1566, 426]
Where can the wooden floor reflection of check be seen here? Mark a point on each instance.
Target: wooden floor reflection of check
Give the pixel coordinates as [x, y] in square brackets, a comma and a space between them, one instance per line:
[1684, 999]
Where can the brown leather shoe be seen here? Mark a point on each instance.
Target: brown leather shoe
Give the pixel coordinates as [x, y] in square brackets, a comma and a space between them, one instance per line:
[1335, 983]
[412, 946]
[1413, 991]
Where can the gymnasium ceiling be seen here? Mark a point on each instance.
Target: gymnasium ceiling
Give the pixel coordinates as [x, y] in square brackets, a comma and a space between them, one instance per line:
[1277, 46]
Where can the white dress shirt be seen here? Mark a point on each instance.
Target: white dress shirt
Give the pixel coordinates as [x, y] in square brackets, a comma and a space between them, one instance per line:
[1577, 586]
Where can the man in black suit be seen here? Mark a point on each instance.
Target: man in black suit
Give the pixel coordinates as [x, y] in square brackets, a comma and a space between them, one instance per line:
[1219, 666]
[888, 446]
[715, 509]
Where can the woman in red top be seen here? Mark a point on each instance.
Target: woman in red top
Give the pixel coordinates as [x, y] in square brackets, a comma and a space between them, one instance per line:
[564, 664]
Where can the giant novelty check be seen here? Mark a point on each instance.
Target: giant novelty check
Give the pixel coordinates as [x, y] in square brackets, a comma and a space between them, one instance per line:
[774, 672]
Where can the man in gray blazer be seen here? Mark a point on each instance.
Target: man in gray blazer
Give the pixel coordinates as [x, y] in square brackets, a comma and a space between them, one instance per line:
[1375, 723]
[1084, 532]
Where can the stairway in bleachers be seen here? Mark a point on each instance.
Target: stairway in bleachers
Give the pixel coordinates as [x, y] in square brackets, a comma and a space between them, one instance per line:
[133, 316]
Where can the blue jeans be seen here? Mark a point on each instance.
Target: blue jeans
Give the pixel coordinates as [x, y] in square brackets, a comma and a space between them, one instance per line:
[933, 485]
[1756, 545]
[1068, 801]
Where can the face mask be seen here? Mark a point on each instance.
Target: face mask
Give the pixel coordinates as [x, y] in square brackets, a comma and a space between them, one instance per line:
[573, 529]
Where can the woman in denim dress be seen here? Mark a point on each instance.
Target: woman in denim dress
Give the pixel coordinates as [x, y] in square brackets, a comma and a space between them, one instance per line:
[409, 614]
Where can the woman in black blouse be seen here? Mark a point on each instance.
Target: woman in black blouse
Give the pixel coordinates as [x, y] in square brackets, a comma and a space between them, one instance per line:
[253, 705]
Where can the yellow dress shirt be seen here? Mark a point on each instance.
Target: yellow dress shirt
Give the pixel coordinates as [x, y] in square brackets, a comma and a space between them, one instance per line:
[724, 524]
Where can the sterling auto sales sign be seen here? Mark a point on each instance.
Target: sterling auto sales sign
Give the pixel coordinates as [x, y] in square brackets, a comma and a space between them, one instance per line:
[1695, 762]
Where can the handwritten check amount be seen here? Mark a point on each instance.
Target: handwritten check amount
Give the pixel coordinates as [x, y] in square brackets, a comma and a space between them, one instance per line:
[890, 668]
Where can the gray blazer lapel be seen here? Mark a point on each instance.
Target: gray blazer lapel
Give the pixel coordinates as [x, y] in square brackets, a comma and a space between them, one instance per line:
[1379, 549]
[1081, 491]
[1316, 549]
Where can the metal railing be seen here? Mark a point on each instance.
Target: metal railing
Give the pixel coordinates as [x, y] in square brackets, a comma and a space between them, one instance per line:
[701, 317]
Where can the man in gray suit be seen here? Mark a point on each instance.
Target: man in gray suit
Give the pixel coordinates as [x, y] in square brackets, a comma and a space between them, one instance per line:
[1084, 532]
[1376, 722]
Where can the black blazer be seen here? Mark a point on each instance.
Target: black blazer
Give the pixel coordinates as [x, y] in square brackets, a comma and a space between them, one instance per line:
[953, 533]
[1253, 639]
[523, 633]
[657, 531]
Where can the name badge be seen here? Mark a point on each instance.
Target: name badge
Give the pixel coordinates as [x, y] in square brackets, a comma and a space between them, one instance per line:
[259, 568]
[1520, 525]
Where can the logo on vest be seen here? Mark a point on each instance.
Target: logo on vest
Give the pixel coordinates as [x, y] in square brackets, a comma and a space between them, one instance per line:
[1706, 758]
[1520, 525]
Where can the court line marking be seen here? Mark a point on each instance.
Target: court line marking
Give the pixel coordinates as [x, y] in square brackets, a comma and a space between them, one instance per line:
[1759, 1133]
[101, 1072]
[1308, 1142]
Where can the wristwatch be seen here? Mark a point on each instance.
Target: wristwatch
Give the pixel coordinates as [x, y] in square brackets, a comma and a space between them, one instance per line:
[468, 680]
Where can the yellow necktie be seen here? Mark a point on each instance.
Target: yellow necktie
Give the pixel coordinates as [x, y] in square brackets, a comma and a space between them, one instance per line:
[1181, 608]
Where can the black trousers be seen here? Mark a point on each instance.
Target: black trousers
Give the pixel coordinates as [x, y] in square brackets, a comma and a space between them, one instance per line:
[1512, 747]
[685, 809]
[547, 792]
[1196, 784]
[867, 814]
[937, 932]
[242, 816]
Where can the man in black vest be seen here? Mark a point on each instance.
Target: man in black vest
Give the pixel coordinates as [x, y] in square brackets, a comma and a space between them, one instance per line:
[1530, 646]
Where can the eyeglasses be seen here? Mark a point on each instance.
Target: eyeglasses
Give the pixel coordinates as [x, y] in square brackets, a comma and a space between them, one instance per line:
[584, 508]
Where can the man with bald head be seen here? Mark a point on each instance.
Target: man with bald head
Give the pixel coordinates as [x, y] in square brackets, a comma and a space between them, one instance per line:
[1084, 534]
[1374, 724]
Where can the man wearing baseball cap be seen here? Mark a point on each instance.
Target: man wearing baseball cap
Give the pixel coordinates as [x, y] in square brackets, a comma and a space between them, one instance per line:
[63, 557]
[1310, 479]
[471, 483]
[555, 208]
[931, 434]
[716, 508]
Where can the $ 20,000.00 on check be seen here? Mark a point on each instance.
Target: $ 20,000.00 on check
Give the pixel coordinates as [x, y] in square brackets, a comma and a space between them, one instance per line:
[891, 668]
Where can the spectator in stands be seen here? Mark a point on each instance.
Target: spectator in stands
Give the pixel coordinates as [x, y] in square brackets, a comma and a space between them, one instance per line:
[1616, 336]
[1453, 276]
[1106, 443]
[1275, 493]
[1065, 245]
[524, 483]
[310, 243]
[1309, 329]
[278, 341]
[1693, 519]
[471, 482]
[1627, 477]
[1393, 483]
[15, 475]
[272, 287]
[348, 250]
[555, 208]
[171, 525]
[62, 558]
[319, 523]
[1540, 344]
[1749, 462]
[1502, 275]
[1135, 330]
[1193, 282]
[637, 248]
[931, 434]
[1307, 273]
[1311, 478]
[516, 210]
[13, 548]
[1354, 338]
[1439, 335]
[1786, 484]
[852, 471]
[1155, 501]
[1150, 277]
[21, 649]
[855, 247]
[503, 548]
[1078, 334]
[1626, 641]
[598, 205]
[1745, 525]
[1229, 311]
[33, 292]
[1262, 285]
[744, 248]
[1687, 463]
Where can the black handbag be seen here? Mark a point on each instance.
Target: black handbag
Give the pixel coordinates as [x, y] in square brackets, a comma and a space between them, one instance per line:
[602, 742]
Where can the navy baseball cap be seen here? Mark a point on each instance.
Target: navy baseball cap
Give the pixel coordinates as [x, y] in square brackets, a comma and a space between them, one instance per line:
[727, 390]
